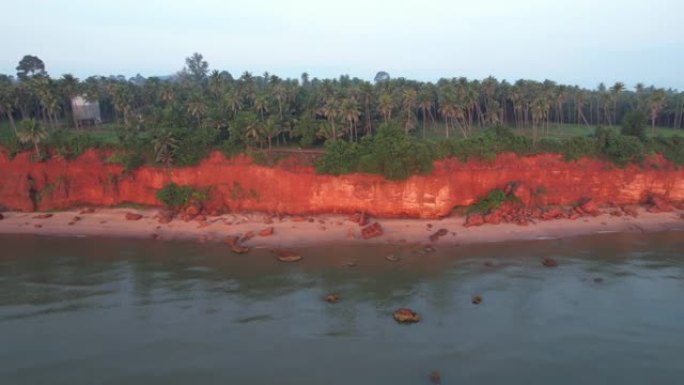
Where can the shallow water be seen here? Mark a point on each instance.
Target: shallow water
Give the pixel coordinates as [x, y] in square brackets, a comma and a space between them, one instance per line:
[100, 311]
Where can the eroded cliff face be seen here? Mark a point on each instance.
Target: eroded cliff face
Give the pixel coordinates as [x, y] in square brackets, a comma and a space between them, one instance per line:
[239, 185]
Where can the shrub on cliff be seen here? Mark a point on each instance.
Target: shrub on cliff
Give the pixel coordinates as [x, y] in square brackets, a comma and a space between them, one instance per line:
[493, 200]
[634, 124]
[389, 152]
[620, 149]
[175, 196]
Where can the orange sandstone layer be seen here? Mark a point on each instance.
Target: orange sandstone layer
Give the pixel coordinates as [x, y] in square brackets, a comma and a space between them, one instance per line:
[239, 185]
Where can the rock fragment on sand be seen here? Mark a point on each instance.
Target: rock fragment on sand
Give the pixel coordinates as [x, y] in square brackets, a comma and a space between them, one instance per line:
[88, 210]
[133, 217]
[239, 249]
[267, 232]
[474, 220]
[372, 231]
[476, 300]
[284, 255]
[438, 234]
[406, 316]
[359, 218]
[42, 216]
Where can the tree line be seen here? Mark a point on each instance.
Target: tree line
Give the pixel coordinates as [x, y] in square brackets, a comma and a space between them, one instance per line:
[261, 109]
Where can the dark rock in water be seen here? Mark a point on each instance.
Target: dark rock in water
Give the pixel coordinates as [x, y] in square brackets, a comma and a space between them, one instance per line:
[435, 377]
[284, 255]
[548, 262]
[372, 231]
[405, 315]
[598, 280]
[489, 264]
[477, 300]
[332, 298]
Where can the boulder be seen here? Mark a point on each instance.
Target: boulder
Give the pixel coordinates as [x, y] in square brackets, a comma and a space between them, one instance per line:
[372, 231]
[659, 205]
[405, 315]
[438, 234]
[331, 298]
[548, 262]
[247, 236]
[133, 217]
[238, 249]
[523, 194]
[589, 207]
[164, 216]
[630, 210]
[267, 232]
[359, 218]
[231, 240]
[493, 218]
[284, 255]
[554, 213]
[474, 220]
[435, 377]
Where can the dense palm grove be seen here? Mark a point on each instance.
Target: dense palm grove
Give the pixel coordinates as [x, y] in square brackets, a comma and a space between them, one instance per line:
[181, 117]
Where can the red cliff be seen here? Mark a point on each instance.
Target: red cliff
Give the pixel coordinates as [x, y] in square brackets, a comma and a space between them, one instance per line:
[238, 184]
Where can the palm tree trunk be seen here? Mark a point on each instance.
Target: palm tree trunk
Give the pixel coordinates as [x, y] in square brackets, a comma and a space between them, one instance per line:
[11, 120]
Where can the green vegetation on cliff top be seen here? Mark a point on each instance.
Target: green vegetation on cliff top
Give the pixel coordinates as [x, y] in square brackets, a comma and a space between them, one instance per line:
[393, 127]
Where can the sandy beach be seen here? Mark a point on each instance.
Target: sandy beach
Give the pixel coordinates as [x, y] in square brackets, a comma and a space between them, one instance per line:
[290, 231]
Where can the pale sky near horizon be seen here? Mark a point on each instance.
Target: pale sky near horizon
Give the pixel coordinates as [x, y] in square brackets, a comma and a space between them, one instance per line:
[579, 42]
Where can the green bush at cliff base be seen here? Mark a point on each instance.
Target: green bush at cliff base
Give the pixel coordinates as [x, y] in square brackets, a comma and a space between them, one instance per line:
[175, 196]
[493, 200]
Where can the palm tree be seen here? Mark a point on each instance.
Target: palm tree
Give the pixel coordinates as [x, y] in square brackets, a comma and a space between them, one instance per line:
[656, 102]
[261, 105]
[7, 99]
[425, 105]
[408, 104]
[331, 112]
[70, 88]
[367, 95]
[197, 108]
[615, 91]
[233, 101]
[385, 106]
[165, 146]
[32, 132]
[350, 113]
[270, 129]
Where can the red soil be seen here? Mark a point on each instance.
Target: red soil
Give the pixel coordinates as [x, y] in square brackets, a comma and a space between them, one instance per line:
[239, 185]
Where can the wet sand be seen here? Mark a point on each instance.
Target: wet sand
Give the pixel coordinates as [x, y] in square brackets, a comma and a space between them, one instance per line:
[292, 231]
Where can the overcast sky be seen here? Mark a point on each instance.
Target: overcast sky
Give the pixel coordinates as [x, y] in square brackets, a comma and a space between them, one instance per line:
[579, 42]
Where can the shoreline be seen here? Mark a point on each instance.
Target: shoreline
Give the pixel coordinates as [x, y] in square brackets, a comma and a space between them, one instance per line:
[293, 231]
